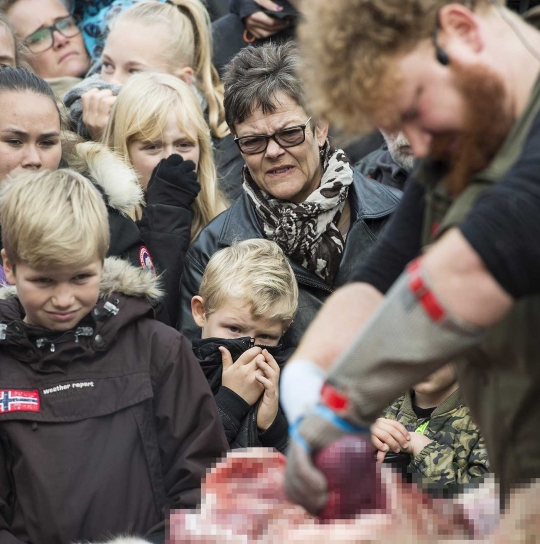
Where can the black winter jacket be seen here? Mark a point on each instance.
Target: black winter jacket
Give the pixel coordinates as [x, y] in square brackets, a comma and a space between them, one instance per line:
[229, 34]
[238, 417]
[158, 242]
[371, 205]
[118, 423]
[380, 166]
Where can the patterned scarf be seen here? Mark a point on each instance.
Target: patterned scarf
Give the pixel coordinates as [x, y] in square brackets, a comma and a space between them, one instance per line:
[307, 232]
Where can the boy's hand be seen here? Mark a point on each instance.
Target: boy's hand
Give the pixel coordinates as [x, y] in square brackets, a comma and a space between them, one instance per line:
[418, 443]
[268, 407]
[241, 376]
[387, 434]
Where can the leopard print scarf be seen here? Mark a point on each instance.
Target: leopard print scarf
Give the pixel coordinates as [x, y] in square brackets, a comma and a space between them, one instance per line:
[308, 232]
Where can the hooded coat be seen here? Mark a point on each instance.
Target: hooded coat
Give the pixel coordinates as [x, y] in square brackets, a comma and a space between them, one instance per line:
[238, 417]
[104, 426]
[159, 241]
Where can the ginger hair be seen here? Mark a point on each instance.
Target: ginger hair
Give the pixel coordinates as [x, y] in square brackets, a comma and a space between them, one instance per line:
[349, 48]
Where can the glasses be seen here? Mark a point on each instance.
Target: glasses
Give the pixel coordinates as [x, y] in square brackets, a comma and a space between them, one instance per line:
[43, 39]
[286, 137]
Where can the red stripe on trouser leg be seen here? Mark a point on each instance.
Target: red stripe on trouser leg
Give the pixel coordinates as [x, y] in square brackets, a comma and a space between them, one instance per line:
[425, 296]
[333, 398]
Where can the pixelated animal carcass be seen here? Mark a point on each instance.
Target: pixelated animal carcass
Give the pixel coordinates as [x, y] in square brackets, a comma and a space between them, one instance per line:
[243, 502]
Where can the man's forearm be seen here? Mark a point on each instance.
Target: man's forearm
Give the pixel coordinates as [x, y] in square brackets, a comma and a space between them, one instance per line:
[333, 330]
[461, 280]
[338, 324]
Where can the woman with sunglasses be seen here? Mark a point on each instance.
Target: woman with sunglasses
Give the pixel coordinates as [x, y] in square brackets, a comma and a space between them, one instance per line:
[298, 191]
[51, 35]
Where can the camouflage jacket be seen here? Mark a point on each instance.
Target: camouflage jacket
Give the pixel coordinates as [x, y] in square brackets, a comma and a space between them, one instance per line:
[457, 453]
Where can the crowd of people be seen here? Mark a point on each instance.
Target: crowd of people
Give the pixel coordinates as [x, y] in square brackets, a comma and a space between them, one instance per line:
[192, 263]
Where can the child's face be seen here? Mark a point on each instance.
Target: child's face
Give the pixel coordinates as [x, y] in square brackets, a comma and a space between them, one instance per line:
[439, 380]
[145, 155]
[130, 49]
[234, 320]
[56, 298]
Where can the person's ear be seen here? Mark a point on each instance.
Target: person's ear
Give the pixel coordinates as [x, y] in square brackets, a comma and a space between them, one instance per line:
[459, 30]
[186, 74]
[321, 132]
[9, 270]
[287, 328]
[197, 311]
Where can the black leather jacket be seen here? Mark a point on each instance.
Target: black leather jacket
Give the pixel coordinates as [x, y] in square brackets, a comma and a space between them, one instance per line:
[238, 417]
[371, 205]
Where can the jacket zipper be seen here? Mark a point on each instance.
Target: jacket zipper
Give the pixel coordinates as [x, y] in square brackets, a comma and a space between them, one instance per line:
[321, 286]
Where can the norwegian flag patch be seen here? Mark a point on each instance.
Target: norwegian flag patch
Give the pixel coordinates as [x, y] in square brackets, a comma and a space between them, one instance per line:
[16, 400]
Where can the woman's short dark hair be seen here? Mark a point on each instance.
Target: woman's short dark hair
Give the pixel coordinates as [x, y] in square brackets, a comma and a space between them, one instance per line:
[256, 75]
[21, 80]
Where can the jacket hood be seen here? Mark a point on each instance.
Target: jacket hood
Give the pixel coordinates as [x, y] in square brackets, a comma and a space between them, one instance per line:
[115, 179]
[119, 277]
[127, 294]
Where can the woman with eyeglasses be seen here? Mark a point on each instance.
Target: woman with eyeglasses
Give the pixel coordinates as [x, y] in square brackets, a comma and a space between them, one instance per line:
[52, 38]
[299, 191]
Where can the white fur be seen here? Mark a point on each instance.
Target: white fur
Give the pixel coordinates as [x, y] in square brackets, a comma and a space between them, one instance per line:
[106, 169]
[119, 276]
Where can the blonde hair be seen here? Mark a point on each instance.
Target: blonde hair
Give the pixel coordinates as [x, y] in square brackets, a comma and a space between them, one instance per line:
[140, 114]
[189, 44]
[53, 218]
[349, 66]
[256, 272]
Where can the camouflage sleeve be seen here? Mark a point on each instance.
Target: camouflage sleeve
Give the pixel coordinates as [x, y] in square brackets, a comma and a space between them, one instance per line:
[444, 465]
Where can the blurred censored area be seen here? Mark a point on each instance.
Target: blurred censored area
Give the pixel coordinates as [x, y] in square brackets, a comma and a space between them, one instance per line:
[243, 502]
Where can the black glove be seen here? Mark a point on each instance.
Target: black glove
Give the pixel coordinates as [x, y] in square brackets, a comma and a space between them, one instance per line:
[173, 182]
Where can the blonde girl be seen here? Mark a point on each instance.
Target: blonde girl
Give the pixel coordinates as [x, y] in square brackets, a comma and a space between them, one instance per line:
[157, 115]
[172, 37]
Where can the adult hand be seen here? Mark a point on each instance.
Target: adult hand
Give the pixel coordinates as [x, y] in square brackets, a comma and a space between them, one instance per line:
[173, 182]
[96, 106]
[261, 25]
[241, 376]
[386, 435]
[268, 407]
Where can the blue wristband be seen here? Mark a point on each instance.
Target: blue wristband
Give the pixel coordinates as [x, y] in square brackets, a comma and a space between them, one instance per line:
[330, 416]
[297, 437]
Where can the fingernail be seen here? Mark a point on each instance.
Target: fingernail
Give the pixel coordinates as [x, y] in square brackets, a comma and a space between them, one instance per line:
[397, 450]
[408, 437]
[405, 446]
[279, 8]
[385, 448]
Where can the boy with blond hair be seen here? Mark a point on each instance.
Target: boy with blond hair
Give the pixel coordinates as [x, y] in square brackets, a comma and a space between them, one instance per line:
[105, 416]
[247, 301]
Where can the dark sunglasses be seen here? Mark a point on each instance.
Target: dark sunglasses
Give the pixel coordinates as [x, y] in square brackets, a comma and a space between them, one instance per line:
[286, 137]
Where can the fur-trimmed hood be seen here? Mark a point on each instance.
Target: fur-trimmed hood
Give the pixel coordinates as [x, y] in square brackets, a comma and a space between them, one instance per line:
[115, 179]
[119, 277]
[127, 295]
